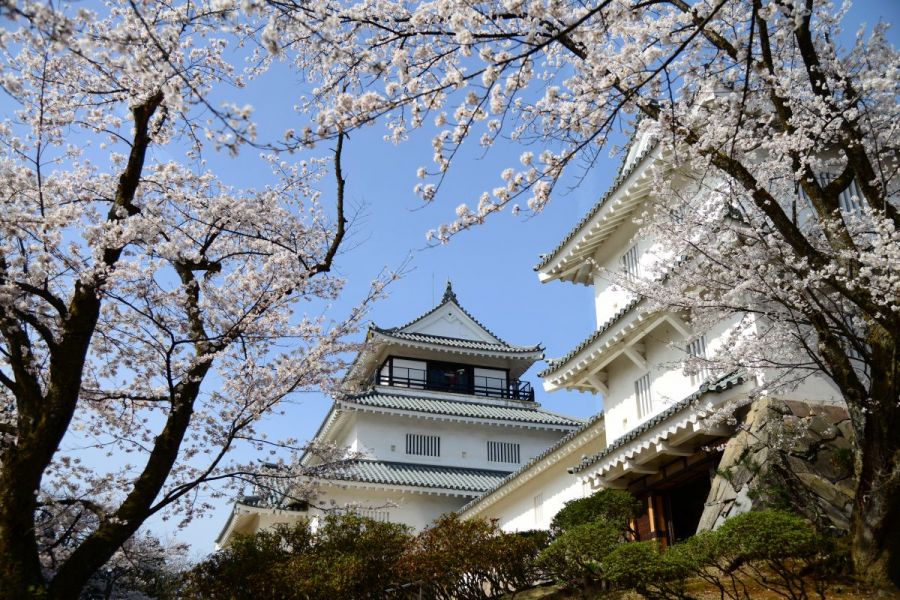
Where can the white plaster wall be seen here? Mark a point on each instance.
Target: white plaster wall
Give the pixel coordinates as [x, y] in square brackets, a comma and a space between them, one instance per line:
[664, 352]
[413, 509]
[450, 321]
[817, 389]
[347, 435]
[516, 512]
[462, 444]
[489, 377]
[608, 297]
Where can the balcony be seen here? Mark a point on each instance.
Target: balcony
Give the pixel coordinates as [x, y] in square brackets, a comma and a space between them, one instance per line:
[462, 383]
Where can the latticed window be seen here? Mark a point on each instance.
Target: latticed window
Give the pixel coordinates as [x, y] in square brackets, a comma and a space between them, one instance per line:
[644, 399]
[850, 200]
[630, 265]
[539, 509]
[506, 452]
[423, 445]
[697, 348]
[375, 514]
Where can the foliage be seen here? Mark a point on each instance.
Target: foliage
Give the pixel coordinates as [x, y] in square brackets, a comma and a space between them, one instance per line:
[148, 314]
[771, 159]
[347, 557]
[469, 559]
[778, 551]
[615, 507]
[642, 566]
[357, 558]
[575, 556]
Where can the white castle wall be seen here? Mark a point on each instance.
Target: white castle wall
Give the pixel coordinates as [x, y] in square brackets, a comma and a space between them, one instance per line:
[462, 444]
[414, 509]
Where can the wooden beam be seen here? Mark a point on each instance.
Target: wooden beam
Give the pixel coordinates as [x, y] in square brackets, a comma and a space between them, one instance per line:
[680, 326]
[598, 385]
[718, 430]
[635, 357]
[612, 484]
[633, 467]
[667, 448]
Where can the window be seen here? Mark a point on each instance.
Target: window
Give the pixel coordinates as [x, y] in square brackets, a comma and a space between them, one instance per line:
[382, 516]
[644, 399]
[850, 200]
[423, 445]
[630, 265]
[506, 452]
[539, 509]
[697, 348]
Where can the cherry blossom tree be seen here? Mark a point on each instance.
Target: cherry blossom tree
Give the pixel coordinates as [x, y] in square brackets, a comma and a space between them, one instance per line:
[148, 310]
[787, 140]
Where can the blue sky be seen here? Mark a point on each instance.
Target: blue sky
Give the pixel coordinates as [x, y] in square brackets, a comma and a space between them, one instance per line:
[491, 266]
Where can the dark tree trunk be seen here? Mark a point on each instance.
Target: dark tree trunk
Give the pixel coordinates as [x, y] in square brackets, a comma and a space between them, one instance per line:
[20, 569]
[43, 417]
[875, 526]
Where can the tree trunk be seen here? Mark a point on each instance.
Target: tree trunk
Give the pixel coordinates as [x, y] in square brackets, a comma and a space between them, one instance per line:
[875, 527]
[20, 569]
[875, 524]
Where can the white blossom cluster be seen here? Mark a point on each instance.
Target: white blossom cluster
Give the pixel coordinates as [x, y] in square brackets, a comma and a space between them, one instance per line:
[787, 141]
[148, 311]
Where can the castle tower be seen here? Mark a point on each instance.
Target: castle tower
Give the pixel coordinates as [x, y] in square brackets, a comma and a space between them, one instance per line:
[439, 414]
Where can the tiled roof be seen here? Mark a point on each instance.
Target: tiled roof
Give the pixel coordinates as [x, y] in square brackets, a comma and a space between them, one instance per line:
[449, 296]
[456, 342]
[720, 385]
[555, 363]
[459, 408]
[426, 476]
[559, 444]
[617, 183]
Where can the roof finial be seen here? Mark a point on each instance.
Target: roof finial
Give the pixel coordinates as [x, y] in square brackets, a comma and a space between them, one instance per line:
[448, 293]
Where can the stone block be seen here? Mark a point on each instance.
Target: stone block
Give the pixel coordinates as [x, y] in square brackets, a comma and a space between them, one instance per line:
[799, 409]
[741, 476]
[823, 428]
[832, 414]
[824, 489]
[798, 465]
[846, 429]
[830, 465]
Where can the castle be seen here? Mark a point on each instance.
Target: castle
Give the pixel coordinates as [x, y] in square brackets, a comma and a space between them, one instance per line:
[446, 425]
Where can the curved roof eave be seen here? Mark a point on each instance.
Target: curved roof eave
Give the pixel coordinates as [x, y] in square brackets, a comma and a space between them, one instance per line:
[552, 259]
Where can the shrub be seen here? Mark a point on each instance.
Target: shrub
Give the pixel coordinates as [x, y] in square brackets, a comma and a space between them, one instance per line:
[779, 550]
[616, 507]
[468, 560]
[641, 566]
[574, 557]
[348, 557]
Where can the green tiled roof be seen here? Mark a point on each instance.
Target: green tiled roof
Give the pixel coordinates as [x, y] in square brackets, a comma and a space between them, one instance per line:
[426, 476]
[456, 342]
[475, 410]
[720, 385]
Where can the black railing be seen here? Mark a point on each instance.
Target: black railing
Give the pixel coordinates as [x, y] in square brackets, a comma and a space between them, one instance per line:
[478, 385]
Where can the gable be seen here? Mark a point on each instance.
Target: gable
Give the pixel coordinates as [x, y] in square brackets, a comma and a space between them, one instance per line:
[449, 320]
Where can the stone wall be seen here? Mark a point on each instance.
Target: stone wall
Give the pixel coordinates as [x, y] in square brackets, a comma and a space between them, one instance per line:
[790, 455]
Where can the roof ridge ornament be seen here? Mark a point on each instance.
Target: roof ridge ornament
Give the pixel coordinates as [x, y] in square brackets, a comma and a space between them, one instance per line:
[449, 294]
